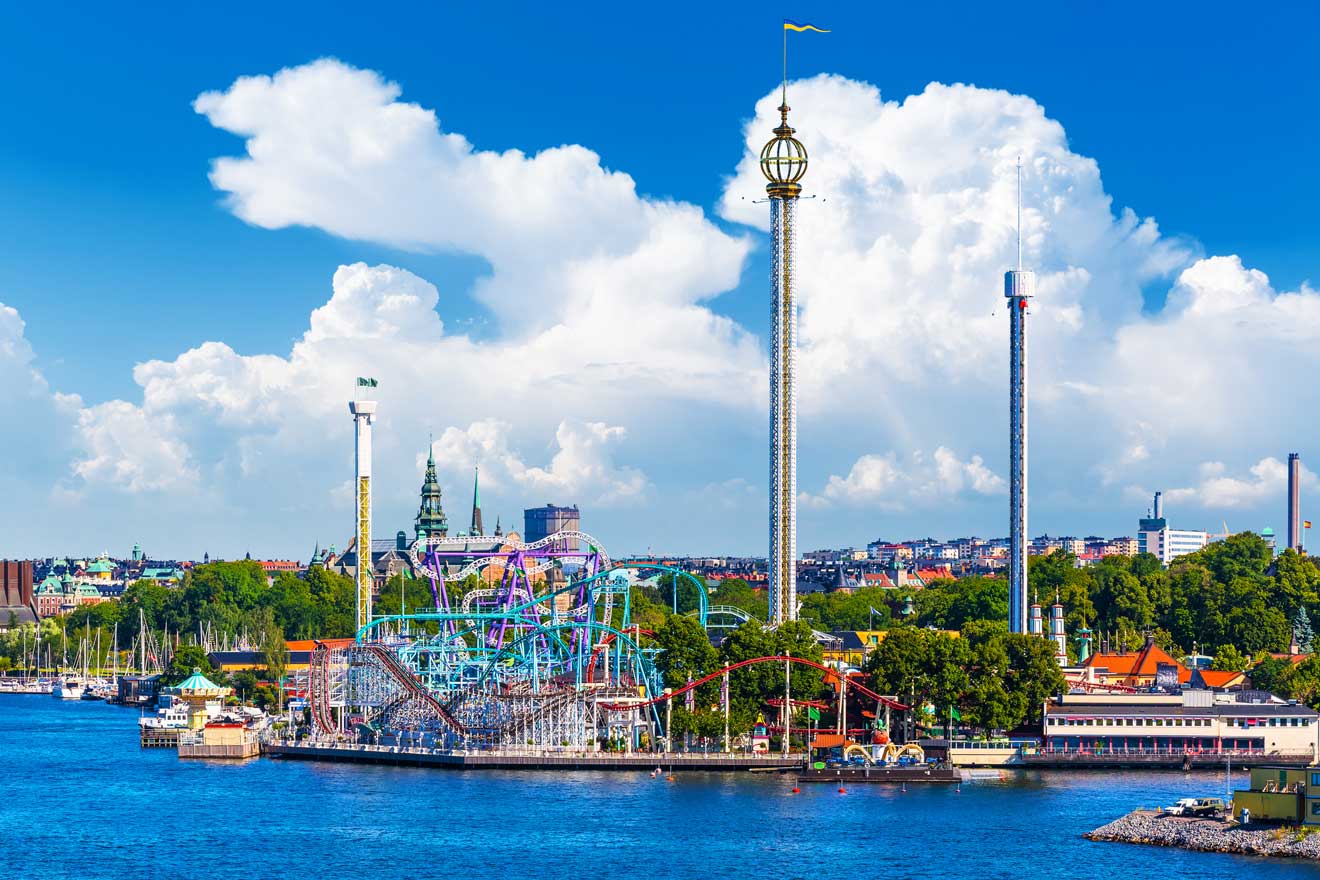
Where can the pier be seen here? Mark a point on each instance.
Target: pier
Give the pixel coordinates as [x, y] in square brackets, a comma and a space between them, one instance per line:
[893, 775]
[529, 759]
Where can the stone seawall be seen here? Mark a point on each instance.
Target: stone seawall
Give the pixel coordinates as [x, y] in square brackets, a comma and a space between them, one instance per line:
[1209, 835]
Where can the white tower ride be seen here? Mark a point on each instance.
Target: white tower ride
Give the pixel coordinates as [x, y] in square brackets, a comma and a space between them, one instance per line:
[364, 413]
[1057, 634]
[783, 162]
[1019, 287]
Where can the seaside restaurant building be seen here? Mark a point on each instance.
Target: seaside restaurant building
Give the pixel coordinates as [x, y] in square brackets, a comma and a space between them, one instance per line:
[1194, 721]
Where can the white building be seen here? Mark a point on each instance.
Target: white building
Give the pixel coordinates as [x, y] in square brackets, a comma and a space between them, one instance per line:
[1193, 721]
[1156, 538]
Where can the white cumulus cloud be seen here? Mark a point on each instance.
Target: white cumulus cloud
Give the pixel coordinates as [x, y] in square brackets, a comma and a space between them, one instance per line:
[582, 465]
[1217, 489]
[920, 480]
[614, 374]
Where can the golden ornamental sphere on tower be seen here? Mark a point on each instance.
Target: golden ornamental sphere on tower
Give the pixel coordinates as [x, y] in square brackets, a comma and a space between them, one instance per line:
[783, 160]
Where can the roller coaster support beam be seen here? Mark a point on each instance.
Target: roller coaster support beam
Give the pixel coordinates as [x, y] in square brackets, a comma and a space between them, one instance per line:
[669, 720]
[726, 707]
[860, 688]
[788, 717]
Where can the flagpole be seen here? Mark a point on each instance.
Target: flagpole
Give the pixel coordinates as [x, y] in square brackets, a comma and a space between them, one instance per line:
[784, 93]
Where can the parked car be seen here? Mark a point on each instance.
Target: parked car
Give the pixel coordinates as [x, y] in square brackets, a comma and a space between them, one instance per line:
[1197, 807]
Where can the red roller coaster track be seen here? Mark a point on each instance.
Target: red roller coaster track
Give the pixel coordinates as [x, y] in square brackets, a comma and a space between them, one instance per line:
[893, 704]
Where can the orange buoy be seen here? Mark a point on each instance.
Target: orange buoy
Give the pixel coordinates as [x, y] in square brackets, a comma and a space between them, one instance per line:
[669, 779]
[843, 791]
[797, 791]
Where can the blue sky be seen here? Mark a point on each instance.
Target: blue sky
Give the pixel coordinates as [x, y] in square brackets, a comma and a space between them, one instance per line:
[119, 250]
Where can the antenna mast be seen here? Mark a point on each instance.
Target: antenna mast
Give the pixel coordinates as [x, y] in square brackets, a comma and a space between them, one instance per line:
[1019, 212]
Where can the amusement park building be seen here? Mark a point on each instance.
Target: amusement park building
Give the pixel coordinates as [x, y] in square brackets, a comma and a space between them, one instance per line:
[1191, 721]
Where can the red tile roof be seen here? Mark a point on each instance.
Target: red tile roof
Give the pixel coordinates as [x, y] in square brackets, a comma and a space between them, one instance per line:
[1143, 663]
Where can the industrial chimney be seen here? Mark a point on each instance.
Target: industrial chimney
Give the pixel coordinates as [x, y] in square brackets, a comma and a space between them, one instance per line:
[1295, 501]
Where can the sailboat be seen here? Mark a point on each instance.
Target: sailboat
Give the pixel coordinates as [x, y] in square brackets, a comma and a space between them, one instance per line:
[68, 686]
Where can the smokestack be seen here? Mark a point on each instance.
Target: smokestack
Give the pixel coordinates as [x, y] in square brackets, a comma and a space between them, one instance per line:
[1294, 501]
[1159, 505]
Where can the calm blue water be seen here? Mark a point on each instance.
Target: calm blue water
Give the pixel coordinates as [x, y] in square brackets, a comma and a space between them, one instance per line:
[81, 799]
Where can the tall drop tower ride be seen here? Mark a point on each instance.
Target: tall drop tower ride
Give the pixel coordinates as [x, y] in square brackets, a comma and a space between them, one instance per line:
[364, 413]
[1019, 287]
[783, 162]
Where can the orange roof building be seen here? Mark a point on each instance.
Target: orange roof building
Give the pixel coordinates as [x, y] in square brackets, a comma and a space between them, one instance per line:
[1136, 669]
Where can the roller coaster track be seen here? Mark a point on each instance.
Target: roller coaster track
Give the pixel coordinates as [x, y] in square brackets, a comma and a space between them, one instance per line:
[412, 688]
[318, 688]
[893, 704]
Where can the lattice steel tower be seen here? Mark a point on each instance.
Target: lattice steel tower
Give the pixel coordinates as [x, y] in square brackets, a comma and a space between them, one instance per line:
[364, 413]
[783, 162]
[1019, 287]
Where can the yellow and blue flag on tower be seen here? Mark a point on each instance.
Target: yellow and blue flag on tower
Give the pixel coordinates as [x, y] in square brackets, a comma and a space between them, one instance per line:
[799, 26]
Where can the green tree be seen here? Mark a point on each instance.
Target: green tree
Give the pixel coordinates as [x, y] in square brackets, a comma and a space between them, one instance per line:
[740, 594]
[689, 589]
[1270, 674]
[922, 666]
[274, 653]
[1301, 630]
[186, 659]
[948, 604]
[1229, 659]
[1302, 682]
[686, 651]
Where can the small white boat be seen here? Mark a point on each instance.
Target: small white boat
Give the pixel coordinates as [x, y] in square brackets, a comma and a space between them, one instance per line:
[172, 714]
[67, 689]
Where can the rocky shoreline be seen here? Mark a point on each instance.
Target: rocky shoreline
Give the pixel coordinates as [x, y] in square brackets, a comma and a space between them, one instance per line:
[1209, 835]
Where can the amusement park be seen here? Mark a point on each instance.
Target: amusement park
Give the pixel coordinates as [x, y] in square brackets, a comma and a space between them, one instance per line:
[545, 656]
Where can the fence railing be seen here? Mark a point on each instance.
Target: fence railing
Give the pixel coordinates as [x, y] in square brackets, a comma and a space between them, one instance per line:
[514, 751]
[1166, 751]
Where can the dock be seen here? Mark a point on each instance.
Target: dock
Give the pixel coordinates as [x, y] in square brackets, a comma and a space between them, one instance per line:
[158, 737]
[713, 762]
[891, 774]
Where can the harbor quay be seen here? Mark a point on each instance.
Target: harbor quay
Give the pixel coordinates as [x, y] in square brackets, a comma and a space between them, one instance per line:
[513, 759]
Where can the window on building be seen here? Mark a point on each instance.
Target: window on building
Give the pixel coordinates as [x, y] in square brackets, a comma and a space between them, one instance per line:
[1315, 778]
[1315, 808]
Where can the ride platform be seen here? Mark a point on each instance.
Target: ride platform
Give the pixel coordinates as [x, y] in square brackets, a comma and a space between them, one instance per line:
[893, 774]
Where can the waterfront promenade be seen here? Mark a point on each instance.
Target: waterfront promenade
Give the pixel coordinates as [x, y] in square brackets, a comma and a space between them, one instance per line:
[514, 759]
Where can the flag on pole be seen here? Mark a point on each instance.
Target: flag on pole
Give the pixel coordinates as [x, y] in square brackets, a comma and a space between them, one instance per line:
[1306, 523]
[800, 26]
[366, 383]
[813, 714]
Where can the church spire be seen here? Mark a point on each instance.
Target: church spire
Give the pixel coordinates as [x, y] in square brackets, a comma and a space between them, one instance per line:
[476, 528]
[431, 515]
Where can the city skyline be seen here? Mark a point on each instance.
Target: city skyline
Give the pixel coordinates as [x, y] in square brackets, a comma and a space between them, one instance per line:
[590, 330]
